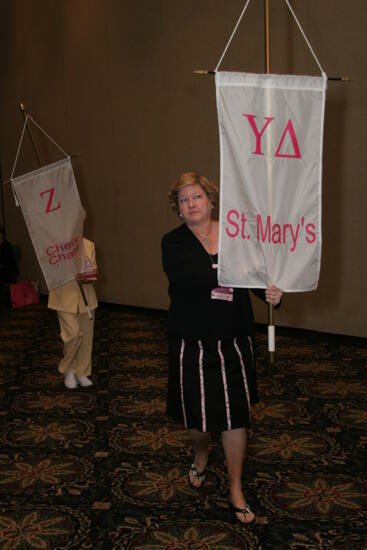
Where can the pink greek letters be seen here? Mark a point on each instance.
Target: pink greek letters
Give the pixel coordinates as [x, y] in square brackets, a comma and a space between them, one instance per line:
[289, 129]
[48, 207]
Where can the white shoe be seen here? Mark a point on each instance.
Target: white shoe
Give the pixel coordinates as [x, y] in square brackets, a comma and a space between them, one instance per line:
[70, 380]
[84, 381]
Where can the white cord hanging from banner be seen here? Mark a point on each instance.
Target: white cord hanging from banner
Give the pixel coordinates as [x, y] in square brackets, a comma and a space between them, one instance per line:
[50, 138]
[296, 20]
[21, 141]
[304, 36]
[232, 35]
[19, 148]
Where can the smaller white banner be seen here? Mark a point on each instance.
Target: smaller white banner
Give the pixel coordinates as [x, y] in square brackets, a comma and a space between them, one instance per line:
[52, 210]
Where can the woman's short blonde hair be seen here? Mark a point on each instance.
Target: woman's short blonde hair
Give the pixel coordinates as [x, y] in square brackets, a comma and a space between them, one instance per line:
[190, 178]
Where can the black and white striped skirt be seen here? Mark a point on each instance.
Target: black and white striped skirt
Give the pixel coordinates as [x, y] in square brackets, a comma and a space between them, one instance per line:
[211, 383]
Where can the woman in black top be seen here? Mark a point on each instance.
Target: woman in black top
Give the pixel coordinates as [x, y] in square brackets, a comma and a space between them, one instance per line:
[211, 376]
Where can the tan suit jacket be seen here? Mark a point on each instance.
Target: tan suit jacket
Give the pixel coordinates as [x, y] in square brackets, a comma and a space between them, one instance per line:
[68, 297]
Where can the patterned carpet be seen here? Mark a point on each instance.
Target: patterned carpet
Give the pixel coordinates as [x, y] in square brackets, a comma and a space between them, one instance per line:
[102, 468]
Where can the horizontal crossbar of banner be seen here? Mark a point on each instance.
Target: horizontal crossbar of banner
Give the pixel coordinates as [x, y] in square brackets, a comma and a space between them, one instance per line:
[204, 72]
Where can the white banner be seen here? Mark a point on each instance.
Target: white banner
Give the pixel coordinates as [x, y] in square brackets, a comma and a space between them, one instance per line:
[53, 213]
[271, 133]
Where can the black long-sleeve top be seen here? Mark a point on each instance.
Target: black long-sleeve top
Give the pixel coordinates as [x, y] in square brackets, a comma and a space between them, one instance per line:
[191, 276]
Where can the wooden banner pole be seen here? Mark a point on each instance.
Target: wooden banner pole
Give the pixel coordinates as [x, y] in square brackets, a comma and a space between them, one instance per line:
[271, 327]
[206, 72]
[267, 47]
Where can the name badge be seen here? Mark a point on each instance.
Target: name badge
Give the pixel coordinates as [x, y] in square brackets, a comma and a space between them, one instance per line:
[221, 293]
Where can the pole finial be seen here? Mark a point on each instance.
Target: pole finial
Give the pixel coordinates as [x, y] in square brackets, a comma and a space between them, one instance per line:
[203, 71]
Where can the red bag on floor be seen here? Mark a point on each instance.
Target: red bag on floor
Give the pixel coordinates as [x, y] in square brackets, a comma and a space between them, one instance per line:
[23, 293]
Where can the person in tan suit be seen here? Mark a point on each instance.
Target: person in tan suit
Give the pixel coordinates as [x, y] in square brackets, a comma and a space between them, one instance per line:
[76, 328]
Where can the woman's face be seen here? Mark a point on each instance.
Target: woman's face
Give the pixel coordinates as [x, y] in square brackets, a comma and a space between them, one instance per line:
[194, 204]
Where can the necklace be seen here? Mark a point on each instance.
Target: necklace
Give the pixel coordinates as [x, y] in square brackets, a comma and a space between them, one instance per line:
[205, 239]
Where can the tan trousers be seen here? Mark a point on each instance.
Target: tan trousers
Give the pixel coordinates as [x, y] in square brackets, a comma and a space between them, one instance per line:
[76, 331]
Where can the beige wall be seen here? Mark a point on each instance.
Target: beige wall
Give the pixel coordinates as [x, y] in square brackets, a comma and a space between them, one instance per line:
[113, 80]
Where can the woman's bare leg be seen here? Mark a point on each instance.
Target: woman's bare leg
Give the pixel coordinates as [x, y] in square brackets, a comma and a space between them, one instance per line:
[200, 443]
[234, 445]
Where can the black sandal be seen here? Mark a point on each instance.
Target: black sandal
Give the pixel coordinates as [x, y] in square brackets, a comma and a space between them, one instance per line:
[244, 511]
[197, 475]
